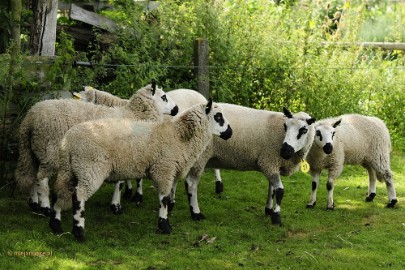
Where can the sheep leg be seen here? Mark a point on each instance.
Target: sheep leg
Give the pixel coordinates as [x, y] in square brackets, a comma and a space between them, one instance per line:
[43, 196]
[219, 185]
[191, 189]
[315, 184]
[372, 180]
[172, 197]
[163, 222]
[128, 190]
[389, 183]
[138, 197]
[330, 186]
[278, 187]
[268, 210]
[33, 199]
[116, 199]
[78, 203]
[55, 219]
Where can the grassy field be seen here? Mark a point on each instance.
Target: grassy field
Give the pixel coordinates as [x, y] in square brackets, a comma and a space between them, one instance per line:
[235, 235]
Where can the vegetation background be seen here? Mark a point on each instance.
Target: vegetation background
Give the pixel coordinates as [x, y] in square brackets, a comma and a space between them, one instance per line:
[263, 54]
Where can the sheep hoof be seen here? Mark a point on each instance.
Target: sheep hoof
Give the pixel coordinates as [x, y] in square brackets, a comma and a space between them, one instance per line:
[370, 197]
[275, 218]
[55, 226]
[128, 194]
[78, 233]
[138, 198]
[392, 203]
[164, 226]
[197, 216]
[46, 211]
[268, 211]
[219, 187]
[33, 205]
[170, 207]
[311, 206]
[331, 207]
[116, 209]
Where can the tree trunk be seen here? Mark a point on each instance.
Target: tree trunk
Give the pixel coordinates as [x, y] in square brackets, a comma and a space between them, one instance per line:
[43, 28]
[15, 7]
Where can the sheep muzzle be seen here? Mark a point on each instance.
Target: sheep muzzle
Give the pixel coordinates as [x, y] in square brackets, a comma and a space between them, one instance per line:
[226, 134]
[286, 151]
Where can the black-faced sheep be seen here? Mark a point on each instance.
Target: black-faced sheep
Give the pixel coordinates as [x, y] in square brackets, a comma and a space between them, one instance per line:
[264, 141]
[161, 151]
[356, 140]
[47, 121]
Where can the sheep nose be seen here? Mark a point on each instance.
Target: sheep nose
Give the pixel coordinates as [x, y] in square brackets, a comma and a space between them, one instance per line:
[286, 151]
[226, 134]
[174, 111]
[327, 148]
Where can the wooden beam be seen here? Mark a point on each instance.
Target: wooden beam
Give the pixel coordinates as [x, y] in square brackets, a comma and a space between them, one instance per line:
[381, 45]
[79, 14]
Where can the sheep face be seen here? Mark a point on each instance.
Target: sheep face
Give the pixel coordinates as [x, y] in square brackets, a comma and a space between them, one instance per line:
[219, 124]
[167, 104]
[296, 133]
[324, 135]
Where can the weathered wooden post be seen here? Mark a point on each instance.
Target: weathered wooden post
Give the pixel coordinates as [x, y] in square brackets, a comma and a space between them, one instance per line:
[43, 28]
[201, 63]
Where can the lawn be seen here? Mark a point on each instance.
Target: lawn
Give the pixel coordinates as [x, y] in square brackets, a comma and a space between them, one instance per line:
[235, 235]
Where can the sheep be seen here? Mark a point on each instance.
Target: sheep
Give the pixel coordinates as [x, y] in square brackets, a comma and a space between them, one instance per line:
[351, 139]
[161, 151]
[47, 121]
[265, 141]
[184, 98]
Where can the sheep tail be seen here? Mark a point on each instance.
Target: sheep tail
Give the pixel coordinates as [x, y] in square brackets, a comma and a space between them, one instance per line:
[27, 164]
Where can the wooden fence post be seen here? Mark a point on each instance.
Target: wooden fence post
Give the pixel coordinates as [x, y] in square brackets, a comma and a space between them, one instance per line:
[201, 64]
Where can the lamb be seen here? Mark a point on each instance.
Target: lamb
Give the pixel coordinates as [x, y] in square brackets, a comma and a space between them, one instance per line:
[351, 139]
[161, 151]
[47, 121]
[265, 141]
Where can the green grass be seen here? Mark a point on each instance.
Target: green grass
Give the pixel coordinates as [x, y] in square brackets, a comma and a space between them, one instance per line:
[235, 235]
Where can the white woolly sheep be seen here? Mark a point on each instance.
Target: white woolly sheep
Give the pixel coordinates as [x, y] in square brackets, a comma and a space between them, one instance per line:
[47, 121]
[265, 141]
[185, 99]
[161, 151]
[356, 140]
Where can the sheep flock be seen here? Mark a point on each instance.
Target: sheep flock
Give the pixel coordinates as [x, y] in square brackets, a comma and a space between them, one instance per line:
[68, 148]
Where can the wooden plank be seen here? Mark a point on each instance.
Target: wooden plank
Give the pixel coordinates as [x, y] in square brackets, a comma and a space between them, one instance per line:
[80, 14]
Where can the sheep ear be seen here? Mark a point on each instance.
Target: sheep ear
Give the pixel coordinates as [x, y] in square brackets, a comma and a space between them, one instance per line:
[153, 87]
[287, 113]
[209, 106]
[335, 125]
[310, 121]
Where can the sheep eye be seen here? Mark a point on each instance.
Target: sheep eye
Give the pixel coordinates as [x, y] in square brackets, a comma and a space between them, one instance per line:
[333, 134]
[219, 119]
[164, 98]
[301, 132]
[285, 127]
[319, 134]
